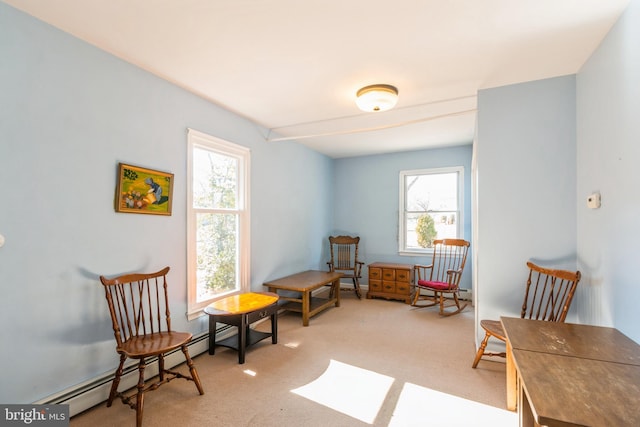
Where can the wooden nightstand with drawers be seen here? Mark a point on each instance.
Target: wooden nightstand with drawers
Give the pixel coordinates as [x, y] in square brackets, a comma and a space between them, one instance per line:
[391, 281]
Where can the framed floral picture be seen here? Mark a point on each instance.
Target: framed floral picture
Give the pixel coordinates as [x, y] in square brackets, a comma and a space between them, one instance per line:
[145, 191]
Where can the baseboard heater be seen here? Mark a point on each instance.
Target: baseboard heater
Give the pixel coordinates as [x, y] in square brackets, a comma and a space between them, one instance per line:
[95, 391]
[465, 294]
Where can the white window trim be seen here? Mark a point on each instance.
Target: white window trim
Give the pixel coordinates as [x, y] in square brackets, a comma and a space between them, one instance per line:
[402, 207]
[199, 139]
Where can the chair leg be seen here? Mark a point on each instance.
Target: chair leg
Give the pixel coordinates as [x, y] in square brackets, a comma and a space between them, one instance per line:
[456, 302]
[480, 352]
[161, 370]
[356, 287]
[460, 308]
[116, 380]
[416, 297]
[432, 300]
[140, 396]
[192, 369]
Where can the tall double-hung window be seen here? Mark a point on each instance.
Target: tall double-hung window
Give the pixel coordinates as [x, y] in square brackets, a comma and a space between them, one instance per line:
[217, 220]
[431, 202]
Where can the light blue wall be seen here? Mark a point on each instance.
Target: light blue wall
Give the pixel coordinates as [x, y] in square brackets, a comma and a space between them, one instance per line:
[367, 196]
[608, 131]
[521, 127]
[68, 114]
[526, 195]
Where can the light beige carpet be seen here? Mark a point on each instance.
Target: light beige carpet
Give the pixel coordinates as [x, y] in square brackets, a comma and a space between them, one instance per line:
[368, 362]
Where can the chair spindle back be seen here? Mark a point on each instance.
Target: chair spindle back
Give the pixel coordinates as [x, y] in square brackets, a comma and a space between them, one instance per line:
[138, 304]
[344, 252]
[548, 293]
[449, 255]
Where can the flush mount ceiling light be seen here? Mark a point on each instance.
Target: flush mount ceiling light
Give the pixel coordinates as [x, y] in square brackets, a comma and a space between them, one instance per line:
[377, 98]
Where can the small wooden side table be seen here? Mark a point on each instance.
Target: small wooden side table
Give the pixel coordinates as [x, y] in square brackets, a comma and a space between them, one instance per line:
[242, 310]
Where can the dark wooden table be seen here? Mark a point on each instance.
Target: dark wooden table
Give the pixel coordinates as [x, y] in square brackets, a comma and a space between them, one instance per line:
[242, 310]
[565, 374]
[304, 284]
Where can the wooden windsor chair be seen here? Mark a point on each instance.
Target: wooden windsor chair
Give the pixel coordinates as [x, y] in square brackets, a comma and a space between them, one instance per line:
[139, 309]
[548, 295]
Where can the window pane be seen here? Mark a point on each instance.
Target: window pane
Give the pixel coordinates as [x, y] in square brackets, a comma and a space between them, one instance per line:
[430, 208]
[423, 229]
[216, 254]
[215, 178]
[432, 192]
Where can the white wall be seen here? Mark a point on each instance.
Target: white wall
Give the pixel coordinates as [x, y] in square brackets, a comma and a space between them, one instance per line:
[526, 188]
[608, 133]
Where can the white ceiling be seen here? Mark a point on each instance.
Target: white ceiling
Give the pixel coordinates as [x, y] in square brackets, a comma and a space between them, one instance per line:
[294, 66]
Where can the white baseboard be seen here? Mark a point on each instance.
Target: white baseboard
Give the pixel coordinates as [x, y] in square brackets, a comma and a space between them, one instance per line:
[349, 286]
[95, 391]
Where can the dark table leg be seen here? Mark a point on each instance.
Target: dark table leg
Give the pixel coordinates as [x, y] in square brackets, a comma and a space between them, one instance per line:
[245, 336]
[212, 334]
[274, 326]
[242, 338]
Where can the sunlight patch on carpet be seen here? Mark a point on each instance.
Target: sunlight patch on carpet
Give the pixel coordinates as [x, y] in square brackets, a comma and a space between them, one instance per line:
[420, 406]
[356, 392]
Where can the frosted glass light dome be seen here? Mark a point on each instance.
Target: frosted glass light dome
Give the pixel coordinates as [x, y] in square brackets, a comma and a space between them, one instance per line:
[377, 98]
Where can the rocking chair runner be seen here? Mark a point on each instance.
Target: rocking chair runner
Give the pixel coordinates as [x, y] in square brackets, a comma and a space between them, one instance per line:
[138, 304]
[548, 295]
[344, 259]
[442, 277]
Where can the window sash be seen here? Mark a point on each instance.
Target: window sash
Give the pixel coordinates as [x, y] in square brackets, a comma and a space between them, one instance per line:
[448, 218]
[238, 213]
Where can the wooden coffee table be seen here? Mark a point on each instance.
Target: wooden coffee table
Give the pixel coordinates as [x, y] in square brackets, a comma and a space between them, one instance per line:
[242, 310]
[305, 283]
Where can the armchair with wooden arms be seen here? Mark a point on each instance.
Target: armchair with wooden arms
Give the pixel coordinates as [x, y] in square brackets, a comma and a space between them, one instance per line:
[344, 259]
[547, 296]
[138, 304]
[441, 278]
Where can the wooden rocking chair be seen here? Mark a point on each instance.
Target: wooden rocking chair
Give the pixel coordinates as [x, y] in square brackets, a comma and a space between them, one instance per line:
[442, 277]
[344, 259]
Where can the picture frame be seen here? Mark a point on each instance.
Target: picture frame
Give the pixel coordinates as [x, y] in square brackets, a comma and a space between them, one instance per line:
[143, 191]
